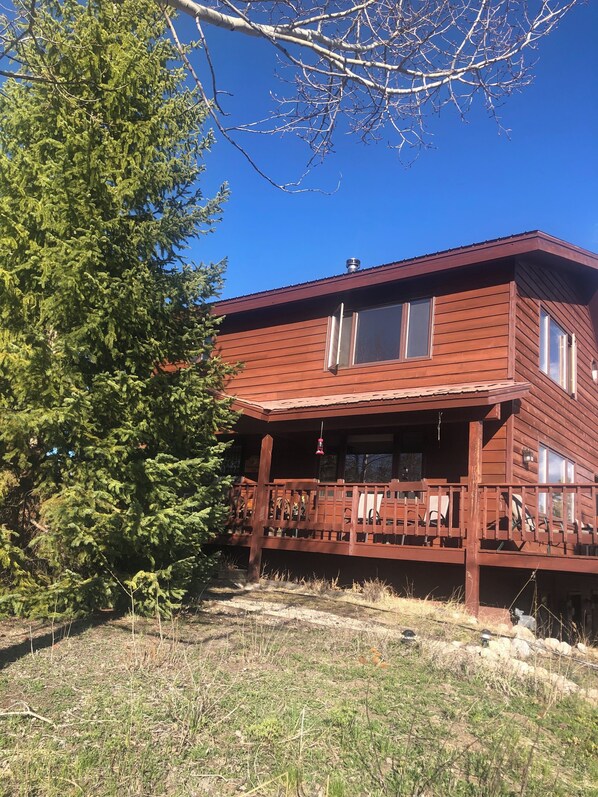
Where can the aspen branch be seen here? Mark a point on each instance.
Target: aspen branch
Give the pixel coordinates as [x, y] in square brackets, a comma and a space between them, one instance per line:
[383, 65]
[374, 68]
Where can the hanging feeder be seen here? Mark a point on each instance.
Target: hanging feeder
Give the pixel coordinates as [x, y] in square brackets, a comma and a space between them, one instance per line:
[320, 448]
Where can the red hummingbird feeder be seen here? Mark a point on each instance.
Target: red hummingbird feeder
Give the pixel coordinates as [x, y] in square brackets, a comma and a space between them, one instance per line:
[320, 448]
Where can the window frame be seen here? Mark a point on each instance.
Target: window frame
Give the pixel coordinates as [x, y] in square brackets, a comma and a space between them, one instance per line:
[568, 468]
[333, 363]
[568, 380]
[355, 333]
[335, 326]
[405, 339]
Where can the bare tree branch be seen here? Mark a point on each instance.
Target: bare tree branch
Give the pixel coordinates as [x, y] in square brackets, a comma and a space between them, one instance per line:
[293, 187]
[383, 66]
[377, 68]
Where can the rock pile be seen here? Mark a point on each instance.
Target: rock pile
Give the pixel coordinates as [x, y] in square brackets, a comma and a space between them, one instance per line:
[525, 656]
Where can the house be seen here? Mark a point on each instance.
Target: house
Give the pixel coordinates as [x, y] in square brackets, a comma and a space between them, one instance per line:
[436, 416]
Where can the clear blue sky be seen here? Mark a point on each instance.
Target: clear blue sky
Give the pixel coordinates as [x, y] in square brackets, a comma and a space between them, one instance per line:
[475, 185]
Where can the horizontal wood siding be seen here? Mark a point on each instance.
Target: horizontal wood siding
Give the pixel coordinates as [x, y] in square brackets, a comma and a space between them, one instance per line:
[283, 354]
[494, 452]
[548, 414]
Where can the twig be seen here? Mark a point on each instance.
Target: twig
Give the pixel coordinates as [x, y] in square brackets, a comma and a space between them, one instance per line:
[26, 711]
[260, 786]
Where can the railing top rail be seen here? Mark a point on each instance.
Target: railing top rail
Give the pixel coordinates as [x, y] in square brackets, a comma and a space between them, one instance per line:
[393, 486]
[542, 485]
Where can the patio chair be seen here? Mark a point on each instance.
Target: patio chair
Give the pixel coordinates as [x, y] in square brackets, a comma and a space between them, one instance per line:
[368, 509]
[517, 519]
[517, 514]
[436, 514]
[368, 512]
[583, 548]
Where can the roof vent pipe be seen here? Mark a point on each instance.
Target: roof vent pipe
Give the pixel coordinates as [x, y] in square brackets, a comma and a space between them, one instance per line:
[353, 264]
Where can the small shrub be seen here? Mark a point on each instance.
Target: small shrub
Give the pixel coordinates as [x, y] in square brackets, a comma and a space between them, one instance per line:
[267, 730]
[375, 590]
[322, 586]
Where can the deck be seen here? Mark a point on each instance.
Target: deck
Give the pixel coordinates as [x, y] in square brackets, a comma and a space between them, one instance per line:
[545, 527]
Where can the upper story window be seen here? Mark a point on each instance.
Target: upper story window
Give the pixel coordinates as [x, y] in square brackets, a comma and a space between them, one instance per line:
[377, 334]
[557, 353]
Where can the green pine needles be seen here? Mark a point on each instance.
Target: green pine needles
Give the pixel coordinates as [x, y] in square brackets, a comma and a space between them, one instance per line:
[109, 464]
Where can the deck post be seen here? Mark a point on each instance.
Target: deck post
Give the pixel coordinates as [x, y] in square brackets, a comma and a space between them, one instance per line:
[260, 510]
[472, 568]
[354, 520]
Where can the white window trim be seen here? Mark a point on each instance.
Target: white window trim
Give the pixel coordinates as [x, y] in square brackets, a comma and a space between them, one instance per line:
[336, 322]
[567, 464]
[568, 366]
[336, 327]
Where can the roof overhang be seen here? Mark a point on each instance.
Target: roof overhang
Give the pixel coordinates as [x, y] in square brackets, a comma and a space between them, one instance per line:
[533, 244]
[478, 394]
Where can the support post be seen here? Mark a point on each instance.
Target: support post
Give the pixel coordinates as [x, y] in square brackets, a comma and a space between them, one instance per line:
[472, 568]
[260, 509]
[354, 521]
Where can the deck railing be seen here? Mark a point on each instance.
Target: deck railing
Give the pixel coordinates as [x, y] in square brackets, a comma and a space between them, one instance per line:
[242, 505]
[551, 518]
[357, 513]
[556, 517]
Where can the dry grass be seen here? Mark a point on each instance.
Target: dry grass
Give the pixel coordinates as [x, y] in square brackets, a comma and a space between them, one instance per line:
[228, 702]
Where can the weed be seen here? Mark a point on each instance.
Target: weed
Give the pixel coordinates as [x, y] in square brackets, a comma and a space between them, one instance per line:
[226, 703]
[321, 586]
[267, 730]
[374, 590]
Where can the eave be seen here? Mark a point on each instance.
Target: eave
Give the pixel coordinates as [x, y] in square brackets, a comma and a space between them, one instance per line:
[553, 250]
[442, 397]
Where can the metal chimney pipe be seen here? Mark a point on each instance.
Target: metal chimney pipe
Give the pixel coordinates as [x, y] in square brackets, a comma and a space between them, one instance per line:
[353, 264]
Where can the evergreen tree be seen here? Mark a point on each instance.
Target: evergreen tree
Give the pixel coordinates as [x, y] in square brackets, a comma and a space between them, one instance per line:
[109, 464]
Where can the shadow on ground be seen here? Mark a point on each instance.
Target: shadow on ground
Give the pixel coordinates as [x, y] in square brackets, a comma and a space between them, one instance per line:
[33, 640]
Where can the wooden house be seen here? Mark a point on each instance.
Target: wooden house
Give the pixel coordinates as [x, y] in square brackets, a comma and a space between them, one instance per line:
[454, 397]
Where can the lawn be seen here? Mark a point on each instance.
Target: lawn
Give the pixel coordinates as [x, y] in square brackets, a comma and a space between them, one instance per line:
[232, 701]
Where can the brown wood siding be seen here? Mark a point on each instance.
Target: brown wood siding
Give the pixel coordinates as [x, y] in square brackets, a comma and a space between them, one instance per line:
[548, 414]
[494, 453]
[285, 357]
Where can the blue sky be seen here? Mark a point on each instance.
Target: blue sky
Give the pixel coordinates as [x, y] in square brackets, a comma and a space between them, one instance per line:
[474, 185]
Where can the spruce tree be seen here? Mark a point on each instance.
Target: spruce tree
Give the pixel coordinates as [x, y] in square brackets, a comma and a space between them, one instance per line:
[109, 463]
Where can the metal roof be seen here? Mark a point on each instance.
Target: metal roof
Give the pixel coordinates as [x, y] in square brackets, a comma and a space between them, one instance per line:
[474, 254]
[404, 400]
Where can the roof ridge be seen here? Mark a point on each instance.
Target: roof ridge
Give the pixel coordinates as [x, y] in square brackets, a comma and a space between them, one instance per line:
[543, 241]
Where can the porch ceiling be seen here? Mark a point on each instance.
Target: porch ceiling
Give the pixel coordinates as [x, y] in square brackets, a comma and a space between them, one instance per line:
[438, 397]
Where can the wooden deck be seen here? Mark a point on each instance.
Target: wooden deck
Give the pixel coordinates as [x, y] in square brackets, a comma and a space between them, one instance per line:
[546, 527]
